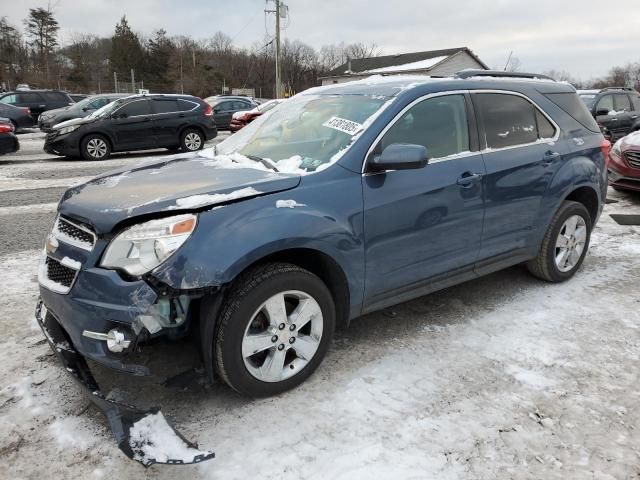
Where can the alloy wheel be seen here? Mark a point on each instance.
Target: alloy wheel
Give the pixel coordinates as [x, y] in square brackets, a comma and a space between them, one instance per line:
[97, 148]
[192, 141]
[570, 243]
[282, 336]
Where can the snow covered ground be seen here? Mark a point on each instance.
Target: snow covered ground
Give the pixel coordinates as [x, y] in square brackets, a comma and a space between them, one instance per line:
[501, 377]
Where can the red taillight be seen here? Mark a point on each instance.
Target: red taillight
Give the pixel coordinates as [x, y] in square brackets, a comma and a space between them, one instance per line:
[208, 112]
[4, 128]
[605, 146]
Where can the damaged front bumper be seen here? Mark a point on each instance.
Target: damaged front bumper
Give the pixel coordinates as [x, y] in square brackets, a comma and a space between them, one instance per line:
[143, 435]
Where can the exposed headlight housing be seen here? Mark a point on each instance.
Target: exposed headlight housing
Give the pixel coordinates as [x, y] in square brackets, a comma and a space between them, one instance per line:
[69, 129]
[616, 149]
[141, 248]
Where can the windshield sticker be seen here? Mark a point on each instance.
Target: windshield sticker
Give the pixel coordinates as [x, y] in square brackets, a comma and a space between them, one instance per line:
[346, 126]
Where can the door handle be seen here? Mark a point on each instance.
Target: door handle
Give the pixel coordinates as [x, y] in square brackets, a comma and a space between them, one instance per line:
[634, 116]
[181, 115]
[549, 157]
[468, 178]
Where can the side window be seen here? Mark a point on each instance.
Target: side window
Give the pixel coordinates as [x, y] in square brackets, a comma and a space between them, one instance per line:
[136, 108]
[185, 105]
[223, 106]
[605, 103]
[165, 106]
[508, 119]
[98, 103]
[439, 124]
[29, 98]
[9, 99]
[622, 103]
[545, 127]
[635, 100]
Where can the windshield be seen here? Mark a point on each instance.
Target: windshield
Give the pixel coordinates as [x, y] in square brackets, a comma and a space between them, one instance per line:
[107, 109]
[588, 99]
[84, 102]
[306, 131]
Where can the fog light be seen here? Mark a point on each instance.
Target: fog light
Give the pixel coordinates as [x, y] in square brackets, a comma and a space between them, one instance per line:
[116, 340]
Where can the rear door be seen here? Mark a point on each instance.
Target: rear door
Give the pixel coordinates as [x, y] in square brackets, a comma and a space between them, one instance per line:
[167, 121]
[34, 101]
[222, 113]
[132, 126]
[521, 154]
[607, 116]
[425, 224]
[623, 112]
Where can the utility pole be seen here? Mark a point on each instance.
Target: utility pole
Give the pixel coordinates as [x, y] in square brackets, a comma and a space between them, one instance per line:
[133, 82]
[281, 12]
[115, 81]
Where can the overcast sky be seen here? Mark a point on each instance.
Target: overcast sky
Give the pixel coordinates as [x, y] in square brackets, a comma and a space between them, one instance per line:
[580, 36]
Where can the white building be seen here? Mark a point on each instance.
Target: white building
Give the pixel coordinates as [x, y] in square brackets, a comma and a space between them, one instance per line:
[434, 63]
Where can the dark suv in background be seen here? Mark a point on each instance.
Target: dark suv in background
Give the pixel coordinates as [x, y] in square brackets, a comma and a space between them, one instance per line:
[138, 122]
[37, 101]
[225, 106]
[80, 109]
[616, 109]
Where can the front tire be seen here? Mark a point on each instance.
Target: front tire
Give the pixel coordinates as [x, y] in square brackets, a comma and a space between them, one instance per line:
[564, 245]
[191, 140]
[274, 329]
[95, 147]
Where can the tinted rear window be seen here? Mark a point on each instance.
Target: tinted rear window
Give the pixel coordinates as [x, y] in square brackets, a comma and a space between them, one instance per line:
[55, 97]
[508, 120]
[165, 106]
[186, 105]
[571, 104]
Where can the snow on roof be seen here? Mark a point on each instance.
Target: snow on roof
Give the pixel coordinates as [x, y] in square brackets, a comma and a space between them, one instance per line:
[420, 65]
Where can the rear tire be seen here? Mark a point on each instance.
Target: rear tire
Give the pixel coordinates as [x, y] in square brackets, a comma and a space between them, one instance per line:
[565, 244]
[191, 140]
[250, 314]
[95, 147]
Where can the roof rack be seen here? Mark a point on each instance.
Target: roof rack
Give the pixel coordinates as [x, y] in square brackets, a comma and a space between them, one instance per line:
[628, 89]
[499, 73]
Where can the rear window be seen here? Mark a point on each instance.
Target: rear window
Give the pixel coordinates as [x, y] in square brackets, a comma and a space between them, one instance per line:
[29, 97]
[186, 105]
[55, 97]
[165, 106]
[571, 104]
[508, 120]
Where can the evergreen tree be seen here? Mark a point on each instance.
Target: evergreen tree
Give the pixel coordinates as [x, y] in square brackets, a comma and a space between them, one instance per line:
[159, 51]
[42, 28]
[126, 52]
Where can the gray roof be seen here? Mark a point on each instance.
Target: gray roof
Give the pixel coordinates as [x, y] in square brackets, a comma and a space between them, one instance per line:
[371, 63]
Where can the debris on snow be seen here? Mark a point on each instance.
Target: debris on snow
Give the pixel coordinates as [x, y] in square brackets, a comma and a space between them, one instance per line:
[153, 440]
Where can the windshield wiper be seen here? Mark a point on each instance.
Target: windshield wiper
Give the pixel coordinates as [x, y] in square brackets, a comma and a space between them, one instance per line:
[264, 161]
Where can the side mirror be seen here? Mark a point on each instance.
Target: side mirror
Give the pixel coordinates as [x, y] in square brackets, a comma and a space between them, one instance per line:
[400, 156]
[602, 111]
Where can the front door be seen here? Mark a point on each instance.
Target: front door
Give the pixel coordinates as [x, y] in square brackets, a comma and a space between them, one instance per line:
[521, 154]
[133, 127]
[422, 225]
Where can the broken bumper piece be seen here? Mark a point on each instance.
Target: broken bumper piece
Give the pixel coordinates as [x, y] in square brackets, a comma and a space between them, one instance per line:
[143, 435]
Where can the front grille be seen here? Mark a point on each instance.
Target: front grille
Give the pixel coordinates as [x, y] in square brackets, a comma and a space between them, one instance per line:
[74, 234]
[58, 273]
[633, 158]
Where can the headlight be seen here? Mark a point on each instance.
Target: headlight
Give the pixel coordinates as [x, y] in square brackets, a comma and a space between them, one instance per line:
[141, 248]
[69, 129]
[616, 149]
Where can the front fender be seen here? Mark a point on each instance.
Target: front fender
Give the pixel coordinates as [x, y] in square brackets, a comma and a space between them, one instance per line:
[229, 239]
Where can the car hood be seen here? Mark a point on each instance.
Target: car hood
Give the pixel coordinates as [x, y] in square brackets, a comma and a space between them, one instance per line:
[190, 182]
[630, 141]
[74, 121]
[57, 111]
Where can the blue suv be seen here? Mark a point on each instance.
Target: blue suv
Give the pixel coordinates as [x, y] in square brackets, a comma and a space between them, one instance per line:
[340, 201]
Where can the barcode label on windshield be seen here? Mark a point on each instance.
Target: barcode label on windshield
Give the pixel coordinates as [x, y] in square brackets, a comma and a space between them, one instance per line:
[346, 126]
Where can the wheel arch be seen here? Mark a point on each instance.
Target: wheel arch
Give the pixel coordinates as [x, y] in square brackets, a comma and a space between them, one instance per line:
[192, 127]
[588, 197]
[101, 134]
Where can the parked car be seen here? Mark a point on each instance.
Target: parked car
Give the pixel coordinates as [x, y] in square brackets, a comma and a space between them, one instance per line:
[624, 163]
[225, 106]
[137, 122]
[81, 109]
[616, 109]
[37, 101]
[319, 211]
[243, 118]
[76, 97]
[8, 141]
[20, 117]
